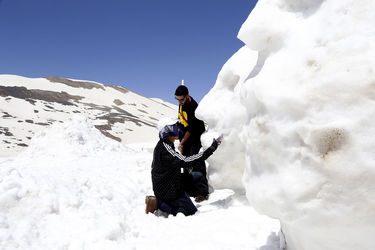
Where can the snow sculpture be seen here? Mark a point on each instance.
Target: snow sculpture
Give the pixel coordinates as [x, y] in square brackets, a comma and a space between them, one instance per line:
[296, 106]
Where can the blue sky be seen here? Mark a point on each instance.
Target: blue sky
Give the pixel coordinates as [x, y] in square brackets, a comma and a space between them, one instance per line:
[147, 46]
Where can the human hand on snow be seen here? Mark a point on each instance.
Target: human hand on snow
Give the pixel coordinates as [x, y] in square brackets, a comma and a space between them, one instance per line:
[219, 139]
[216, 142]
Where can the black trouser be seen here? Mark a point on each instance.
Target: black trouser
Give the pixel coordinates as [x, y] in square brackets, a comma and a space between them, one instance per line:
[195, 184]
[181, 205]
[202, 188]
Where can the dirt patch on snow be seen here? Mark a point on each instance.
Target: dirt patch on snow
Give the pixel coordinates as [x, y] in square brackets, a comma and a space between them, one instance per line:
[118, 102]
[74, 84]
[119, 88]
[37, 94]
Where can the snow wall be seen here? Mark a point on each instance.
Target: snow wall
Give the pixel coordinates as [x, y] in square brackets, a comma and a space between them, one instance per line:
[297, 105]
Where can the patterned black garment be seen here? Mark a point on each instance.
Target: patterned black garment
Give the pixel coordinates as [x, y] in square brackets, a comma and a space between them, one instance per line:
[166, 169]
[186, 114]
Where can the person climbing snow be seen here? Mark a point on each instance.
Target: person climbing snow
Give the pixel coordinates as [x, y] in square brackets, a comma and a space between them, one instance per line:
[170, 196]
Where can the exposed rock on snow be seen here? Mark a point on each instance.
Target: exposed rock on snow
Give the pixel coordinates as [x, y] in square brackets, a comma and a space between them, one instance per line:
[75, 83]
[40, 95]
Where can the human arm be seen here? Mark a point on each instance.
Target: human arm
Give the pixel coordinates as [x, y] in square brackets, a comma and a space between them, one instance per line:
[182, 142]
[180, 161]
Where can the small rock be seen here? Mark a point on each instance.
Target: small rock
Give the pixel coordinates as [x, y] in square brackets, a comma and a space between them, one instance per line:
[7, 133]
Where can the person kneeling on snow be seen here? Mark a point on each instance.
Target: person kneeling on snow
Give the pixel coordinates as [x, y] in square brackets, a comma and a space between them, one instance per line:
[170, 196]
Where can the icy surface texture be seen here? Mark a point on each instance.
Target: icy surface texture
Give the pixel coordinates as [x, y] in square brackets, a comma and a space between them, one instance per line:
[297, 105]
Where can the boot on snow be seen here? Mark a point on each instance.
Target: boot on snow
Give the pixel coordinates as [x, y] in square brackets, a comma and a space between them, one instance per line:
[151, 204]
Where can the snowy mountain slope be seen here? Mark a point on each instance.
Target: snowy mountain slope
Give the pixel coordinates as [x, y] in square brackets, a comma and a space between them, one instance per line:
[28, 105]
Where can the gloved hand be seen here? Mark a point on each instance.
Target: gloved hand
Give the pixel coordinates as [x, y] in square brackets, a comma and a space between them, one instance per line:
[219, 139]
[216, 142]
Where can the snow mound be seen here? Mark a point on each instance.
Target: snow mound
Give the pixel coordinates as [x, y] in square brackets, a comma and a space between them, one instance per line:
[72, 189]
[224, 113]
[297, 115]
[75, 137]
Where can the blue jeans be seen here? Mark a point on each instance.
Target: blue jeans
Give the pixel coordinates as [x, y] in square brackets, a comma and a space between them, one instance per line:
[181, 205]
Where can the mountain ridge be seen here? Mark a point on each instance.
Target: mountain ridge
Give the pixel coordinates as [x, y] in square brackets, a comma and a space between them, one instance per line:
[29, 104]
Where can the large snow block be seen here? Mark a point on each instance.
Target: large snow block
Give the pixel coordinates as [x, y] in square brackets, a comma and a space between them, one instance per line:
[299, 128]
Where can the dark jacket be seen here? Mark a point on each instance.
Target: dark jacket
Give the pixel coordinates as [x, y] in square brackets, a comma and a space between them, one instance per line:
[166, 169]
[186, 114]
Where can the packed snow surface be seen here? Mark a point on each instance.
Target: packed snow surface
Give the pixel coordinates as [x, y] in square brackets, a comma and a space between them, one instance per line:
[297, 105]
[74, 188]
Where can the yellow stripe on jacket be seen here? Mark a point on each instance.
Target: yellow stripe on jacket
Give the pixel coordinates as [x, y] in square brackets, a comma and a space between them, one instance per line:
[182, 115]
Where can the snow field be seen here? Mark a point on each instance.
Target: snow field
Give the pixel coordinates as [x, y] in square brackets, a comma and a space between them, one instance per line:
[74, 188]
[237, 227]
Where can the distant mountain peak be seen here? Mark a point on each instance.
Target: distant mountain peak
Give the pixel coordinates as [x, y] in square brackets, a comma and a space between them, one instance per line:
[27, 105]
